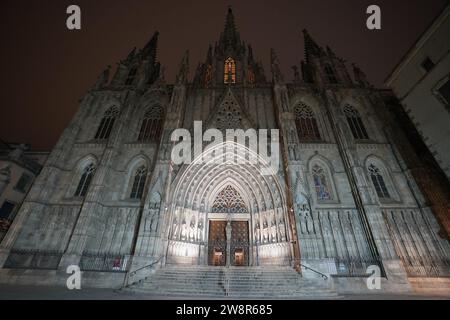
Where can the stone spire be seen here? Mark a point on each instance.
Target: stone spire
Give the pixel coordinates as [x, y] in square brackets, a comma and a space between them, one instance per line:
[230, 39]
[230, 34]
[360, 76]
[296, 74]
[209, 55]
[151, 47]
[183, 73]
[103, 78]
[311, 47]
[276, 71]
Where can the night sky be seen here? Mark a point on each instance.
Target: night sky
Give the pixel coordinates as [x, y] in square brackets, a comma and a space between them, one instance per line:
[46, 68]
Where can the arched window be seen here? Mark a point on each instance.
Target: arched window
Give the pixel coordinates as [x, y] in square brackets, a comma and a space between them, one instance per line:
[230, 71]
[355, 123]
[85, 181]
[152, 125]
[208, 76]
[306, 124]
[329, 72]
[229, 201]
[104, 130]
[378, 182]
[131, 76]
[139, 183]
[321, 184]
[251, 79]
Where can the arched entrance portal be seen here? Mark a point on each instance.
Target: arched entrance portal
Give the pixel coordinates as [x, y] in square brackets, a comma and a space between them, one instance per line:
[227, 213]
[228, 235]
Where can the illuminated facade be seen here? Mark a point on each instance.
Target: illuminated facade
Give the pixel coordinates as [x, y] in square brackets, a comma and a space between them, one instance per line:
[111, 200]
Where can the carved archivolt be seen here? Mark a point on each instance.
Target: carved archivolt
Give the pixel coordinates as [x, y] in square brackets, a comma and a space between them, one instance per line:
[204, 190]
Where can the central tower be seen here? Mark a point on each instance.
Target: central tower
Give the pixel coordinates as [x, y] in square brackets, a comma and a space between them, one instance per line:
[230, 61]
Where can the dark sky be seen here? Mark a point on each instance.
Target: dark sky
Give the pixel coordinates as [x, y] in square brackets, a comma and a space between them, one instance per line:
[46, 68]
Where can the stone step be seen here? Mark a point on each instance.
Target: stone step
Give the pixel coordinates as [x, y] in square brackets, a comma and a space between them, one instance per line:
[249, 282]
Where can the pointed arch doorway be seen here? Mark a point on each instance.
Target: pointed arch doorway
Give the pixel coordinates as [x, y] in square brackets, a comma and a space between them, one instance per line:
[228, 240]
[226, 213]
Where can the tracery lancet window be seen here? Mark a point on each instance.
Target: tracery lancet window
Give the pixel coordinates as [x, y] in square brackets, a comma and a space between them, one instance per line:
[306, 124]
[85, 181]
[208, 76]
[378, 182]
[251, 79]
[321, 184]
[229, 201]
[230, 71]
[137, 189]
[354, 121]
[104, 130]
[152, 125]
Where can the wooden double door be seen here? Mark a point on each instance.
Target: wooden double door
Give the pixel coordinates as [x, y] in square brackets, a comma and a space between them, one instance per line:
[238, 243]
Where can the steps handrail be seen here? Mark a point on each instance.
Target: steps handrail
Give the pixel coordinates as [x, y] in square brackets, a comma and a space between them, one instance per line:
[133, 273]
[144, 267]
[324, 276]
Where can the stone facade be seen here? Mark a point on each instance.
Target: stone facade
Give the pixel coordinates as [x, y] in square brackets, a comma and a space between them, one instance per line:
[111, 200]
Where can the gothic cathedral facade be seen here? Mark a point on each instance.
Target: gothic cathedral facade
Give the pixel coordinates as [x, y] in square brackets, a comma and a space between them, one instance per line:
[111, 200]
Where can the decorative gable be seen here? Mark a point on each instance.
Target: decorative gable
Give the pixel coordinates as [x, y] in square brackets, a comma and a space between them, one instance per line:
[229, 114]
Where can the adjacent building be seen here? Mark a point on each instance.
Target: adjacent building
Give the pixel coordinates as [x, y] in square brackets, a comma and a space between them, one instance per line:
[19, 167]
[421, 81]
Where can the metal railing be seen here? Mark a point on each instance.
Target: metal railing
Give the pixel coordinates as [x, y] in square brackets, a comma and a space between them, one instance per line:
[430, 268]
[33, 259]
[324, 276]
[108, 262]
[355, 267]
[132, 274]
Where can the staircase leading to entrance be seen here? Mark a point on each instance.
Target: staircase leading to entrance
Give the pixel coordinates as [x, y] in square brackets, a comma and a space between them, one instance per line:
[234, 282]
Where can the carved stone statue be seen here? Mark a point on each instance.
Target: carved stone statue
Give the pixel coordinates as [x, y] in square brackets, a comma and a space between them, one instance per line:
[176, 227]
[184, 230]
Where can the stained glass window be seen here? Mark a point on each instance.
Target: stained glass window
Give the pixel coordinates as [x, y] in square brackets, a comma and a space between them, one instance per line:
[107, 123]
[208, 76]
[230, 71]
[139, 183]
[85, 181]
[152, 125]
[378, 182]
[250, 76]
[321, 183]
[354, 121]
[306, 124]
